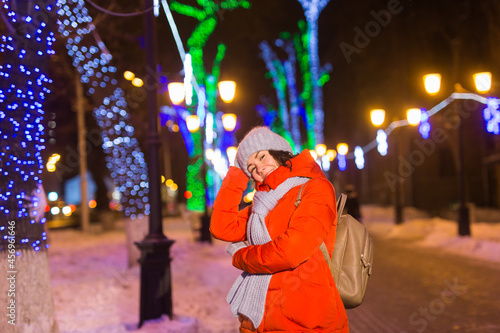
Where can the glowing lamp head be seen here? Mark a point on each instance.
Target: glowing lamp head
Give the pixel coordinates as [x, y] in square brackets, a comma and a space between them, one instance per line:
[342, 148]
[192, 123]
[377, 117]
[432, 83]
[229, 121]
[136, 82]
[176, 92]
[482, 81]
[331, 154]
[227, 90]
[320, 149]
[128, 75]
[414, 116]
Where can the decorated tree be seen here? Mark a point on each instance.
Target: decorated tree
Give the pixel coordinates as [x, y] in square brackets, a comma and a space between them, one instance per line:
[204, 104]
[93, 61]
[292, 81]
[312, 10]
[26, 45]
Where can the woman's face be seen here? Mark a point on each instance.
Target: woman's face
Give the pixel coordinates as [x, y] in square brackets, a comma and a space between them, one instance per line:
[261, 164]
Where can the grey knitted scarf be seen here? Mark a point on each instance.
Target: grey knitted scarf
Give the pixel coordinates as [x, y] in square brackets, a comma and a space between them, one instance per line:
[248, 294]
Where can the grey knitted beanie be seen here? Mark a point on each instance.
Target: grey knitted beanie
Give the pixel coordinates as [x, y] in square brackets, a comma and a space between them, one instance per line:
[259, 138]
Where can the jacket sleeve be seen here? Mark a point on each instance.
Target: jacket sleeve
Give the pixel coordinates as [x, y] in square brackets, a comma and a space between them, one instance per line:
[228, 223]
[308, 227]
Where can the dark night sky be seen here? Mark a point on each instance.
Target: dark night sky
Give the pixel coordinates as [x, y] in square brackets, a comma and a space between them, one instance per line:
[387, 71]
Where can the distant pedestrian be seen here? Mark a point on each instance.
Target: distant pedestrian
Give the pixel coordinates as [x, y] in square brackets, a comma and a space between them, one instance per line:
[286, 285]
[352, 203]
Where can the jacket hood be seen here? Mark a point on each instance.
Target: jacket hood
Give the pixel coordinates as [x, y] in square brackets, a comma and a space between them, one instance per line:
[303, 165]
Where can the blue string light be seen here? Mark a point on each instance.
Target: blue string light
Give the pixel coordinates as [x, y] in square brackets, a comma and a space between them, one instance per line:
[23, 88]
[124, 157]
[425, 127]
[342, 162]
[359, 157]
[382, 145]
[491, 115]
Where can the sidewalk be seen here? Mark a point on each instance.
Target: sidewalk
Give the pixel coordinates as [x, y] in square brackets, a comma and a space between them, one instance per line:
[94, 290]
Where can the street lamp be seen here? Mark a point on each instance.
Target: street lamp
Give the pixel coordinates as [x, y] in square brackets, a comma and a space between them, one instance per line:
[227, 90]
[483, 84]
[229, 121]
[320, 149]
[176, 92]
[342, 148]
[129, 75]
[432, 83]
[331, 154]
[413, 116]
[156, 288]
[377, 117]
[192, 123]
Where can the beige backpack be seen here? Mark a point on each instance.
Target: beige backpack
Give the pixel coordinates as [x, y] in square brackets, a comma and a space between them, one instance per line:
[352, 259]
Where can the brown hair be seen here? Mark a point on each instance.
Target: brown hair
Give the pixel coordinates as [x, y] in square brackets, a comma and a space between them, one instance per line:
[282, 157]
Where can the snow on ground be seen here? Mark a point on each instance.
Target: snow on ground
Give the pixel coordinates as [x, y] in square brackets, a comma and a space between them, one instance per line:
[95, 291]
[484, 242]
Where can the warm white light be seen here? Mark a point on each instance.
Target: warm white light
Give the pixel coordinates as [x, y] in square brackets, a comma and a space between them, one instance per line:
[176, 92]
[231, 154]
[414, 116]
[331, 154]
[229, 121]
[192, 123]
[136, 82]
[432, 83]
[377, 116]
[209, 154]
[227, 90]
[482, 81]
[129, 75]
[342, 148]
[320, 149]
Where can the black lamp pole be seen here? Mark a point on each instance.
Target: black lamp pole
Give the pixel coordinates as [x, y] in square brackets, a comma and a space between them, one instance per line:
[156, 291]
[463, 210]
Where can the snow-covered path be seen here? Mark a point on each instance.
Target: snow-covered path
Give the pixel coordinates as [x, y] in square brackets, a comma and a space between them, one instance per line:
[95, 291]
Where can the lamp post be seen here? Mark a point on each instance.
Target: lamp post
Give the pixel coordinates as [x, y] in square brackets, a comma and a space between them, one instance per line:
[413, 117]
[156, 290]
[483, 84]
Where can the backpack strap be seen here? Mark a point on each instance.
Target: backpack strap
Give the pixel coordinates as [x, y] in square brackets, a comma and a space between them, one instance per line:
[340, 207]
[299, 195]
[342, 199]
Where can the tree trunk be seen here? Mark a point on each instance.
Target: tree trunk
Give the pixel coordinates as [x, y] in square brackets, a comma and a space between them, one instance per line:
[28, 293]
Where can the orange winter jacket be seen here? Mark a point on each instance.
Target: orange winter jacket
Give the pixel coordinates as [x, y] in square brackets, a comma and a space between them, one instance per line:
[302, 296]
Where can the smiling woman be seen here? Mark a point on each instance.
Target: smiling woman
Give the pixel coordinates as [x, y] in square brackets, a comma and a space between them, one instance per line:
[286, 285]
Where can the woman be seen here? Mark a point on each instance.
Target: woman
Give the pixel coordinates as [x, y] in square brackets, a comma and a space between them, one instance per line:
[286, 285]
